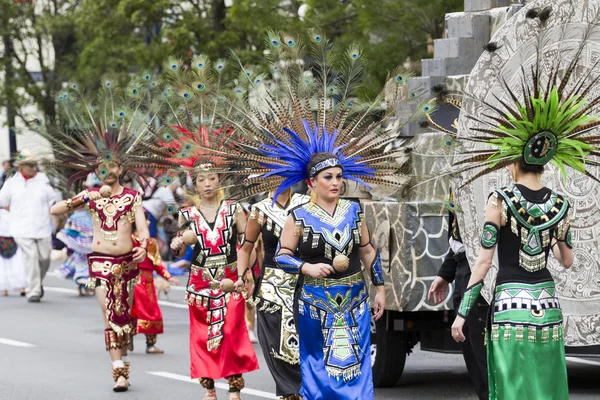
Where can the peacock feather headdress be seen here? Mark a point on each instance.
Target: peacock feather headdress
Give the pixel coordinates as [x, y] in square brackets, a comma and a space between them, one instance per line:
[92, 132]
[308, 104]
[546, 116]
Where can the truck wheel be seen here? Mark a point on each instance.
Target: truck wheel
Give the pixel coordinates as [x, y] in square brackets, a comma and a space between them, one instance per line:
[388, 354]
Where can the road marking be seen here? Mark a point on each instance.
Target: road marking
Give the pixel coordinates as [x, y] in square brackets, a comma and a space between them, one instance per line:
[183, 378]
[15, 343]
[582, 361]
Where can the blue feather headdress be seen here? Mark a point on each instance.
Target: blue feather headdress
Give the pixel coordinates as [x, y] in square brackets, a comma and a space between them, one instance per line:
[295, 155]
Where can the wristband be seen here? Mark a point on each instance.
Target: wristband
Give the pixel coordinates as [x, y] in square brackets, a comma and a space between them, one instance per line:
[376, 272]
[469, 299]
[75, 202]
[289, 263]
[243, 275]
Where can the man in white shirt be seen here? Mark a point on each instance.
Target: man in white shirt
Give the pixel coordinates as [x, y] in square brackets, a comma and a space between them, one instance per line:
[29, 196]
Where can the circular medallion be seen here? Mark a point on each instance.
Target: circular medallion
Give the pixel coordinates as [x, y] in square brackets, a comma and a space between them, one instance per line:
[540, 148]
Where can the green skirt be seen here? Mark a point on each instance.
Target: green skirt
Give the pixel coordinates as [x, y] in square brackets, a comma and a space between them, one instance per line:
[525, 347]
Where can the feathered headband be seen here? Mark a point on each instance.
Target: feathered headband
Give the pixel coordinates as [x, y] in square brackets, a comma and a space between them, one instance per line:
[113, 128]
[539, 118]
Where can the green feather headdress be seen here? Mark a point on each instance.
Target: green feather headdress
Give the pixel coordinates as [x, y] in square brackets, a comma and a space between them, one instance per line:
[542, 119]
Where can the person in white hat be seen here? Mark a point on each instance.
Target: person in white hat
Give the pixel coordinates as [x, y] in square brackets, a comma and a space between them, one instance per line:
[29, 196]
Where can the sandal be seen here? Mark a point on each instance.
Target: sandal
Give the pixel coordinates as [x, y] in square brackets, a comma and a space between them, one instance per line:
[234, 396]
[154, 350]
[22, 292]
[121, 375]
[211, 394]
[4, 293]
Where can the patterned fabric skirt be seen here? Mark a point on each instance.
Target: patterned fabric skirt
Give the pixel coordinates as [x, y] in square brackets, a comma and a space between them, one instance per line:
[145, 311]
[525, 347]
[335, 339]
[219, 342]
[117, 275]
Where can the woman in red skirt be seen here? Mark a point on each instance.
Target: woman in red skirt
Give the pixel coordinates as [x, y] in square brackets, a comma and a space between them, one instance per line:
[219, 342]
[145, 311]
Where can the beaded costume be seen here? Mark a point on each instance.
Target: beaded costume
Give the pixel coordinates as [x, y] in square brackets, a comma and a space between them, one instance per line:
[219, 342]
[96, 135]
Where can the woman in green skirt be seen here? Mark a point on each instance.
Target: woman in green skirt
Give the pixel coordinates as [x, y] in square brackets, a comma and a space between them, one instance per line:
[528, 121]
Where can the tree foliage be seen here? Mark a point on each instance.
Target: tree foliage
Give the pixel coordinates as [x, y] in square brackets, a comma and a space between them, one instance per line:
[92, 38]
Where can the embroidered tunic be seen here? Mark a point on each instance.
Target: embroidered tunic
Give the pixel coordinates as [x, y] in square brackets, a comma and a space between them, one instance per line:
[219, 342]
[333, 313]
[526, 356]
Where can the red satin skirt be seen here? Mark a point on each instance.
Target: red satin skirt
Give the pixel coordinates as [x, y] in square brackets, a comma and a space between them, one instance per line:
[145, 310]
[233, 356]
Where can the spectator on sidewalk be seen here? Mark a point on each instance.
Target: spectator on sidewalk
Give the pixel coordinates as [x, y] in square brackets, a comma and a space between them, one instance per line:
[6, 172]
[28, 196]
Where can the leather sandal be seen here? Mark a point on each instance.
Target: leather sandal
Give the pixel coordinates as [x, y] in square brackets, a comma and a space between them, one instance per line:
[154, 350]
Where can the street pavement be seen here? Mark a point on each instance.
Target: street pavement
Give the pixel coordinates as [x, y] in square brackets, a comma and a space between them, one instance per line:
[55, 350]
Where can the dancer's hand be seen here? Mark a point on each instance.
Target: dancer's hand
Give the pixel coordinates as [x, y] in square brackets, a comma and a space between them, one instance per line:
[439, 287]
[457, 329]
[320, 270]
[379, 303]
[177, 243]
[93, 196]
[239, 285]
[139, 254]
[173, 281]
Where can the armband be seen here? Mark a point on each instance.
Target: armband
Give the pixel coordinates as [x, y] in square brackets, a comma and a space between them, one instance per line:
[568, 238]
[376, 272]
[289, 263]
[76, 202]
[469, 299]
[489, 236]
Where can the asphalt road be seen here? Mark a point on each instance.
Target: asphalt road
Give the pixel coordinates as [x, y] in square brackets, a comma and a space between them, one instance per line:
[55, 350]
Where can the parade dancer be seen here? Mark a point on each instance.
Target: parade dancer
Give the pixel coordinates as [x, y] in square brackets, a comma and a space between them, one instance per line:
[219, 342]
[146, 312]
[107, 143]
[312, 129]
[213, 225]
[541, 119]
[274, 291]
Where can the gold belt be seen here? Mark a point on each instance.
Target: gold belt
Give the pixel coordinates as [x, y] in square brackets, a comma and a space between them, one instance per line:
[329, 282]
[107, 267]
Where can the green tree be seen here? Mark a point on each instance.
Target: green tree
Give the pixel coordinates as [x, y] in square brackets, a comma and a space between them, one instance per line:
[39, 49]
[391, 32]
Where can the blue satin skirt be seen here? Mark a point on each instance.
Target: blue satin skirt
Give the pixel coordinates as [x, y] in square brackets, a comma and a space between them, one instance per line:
[334, 323]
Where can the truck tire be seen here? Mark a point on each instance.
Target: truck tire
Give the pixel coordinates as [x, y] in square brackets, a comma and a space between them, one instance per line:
[388, 354]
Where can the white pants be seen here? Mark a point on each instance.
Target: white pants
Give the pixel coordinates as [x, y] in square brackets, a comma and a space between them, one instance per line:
[36, 259]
